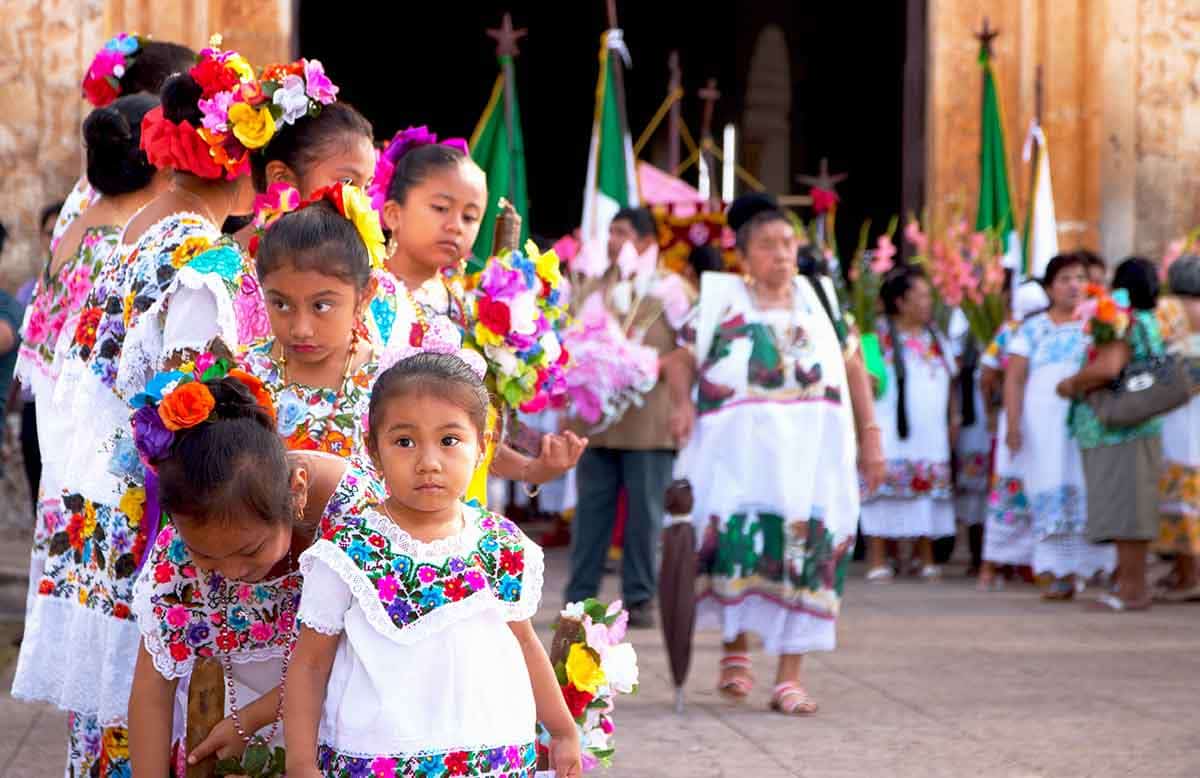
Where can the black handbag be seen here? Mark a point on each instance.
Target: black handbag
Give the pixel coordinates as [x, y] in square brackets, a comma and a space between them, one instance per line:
[1145, 389]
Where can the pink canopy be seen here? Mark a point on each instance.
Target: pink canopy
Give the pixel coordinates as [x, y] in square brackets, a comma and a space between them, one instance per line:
[660, 188]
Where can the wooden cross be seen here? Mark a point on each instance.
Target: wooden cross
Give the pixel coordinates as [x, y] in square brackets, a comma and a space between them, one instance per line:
[673, 119]
[823, 180]
[710, 96]
[506, 37]
[987, 35]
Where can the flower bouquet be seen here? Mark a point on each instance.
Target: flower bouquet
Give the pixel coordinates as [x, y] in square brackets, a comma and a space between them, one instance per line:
[612, 372]
[865, 276]
[1106, 316]
[593, 664]
[515, 301]
[967, 272]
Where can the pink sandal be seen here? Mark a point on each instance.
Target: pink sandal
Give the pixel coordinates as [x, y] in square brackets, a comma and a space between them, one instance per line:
[736, 687]
[791, 699]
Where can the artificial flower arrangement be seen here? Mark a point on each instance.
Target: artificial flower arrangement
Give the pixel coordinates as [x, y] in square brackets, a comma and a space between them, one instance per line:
[350, 201]
[102, 82]
[594, 664]
[966, 270]
[613, 369]
[515, 303]
[1188, 244]
[1106, 316]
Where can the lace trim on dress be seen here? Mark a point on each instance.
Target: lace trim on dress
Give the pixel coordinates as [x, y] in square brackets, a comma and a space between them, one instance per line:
[367, 597]
[142, 353]
[317, 625]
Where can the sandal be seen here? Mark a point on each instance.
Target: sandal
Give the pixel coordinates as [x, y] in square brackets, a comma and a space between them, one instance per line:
[931, 573]
[791, 699]
[1059, 590]
[735, 687]
[1190, 594]
[1111, 603]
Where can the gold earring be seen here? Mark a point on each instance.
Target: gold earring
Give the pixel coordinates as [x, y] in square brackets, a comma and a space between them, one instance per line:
[391, 246]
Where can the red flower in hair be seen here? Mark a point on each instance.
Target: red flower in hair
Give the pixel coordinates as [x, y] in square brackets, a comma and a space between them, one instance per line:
[252, 382]
[213, 77]
[176, 146]
[99, 92]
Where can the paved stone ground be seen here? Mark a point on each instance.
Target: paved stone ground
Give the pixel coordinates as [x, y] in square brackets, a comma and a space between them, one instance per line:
[929, 680]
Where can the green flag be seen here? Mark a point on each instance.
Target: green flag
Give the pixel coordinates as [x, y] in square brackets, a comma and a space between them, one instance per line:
[995, 211]
[612, 169]
[501, 157]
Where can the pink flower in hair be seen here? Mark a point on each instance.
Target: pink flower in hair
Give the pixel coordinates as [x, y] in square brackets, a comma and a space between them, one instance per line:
[216, 112]
[402, 143]
[320, 88]
[280, 198]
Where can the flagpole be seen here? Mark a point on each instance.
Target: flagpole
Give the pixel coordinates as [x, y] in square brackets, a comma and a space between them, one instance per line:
[673, 119]
[506, 49]
[619, 77]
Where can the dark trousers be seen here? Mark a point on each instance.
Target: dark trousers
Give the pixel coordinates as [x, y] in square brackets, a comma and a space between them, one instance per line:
[599, 477]
[30, 451]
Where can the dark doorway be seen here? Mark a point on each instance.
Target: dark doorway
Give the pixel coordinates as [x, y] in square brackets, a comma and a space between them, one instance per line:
[433, 64]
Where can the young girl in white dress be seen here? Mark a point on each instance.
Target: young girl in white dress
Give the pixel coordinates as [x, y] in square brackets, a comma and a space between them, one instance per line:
[416, 654]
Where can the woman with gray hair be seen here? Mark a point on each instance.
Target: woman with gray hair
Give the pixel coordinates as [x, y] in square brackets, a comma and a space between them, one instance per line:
[1179, 487]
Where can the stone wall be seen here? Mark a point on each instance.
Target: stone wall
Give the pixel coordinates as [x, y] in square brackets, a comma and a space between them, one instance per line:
[1121, 112]
[46, 45]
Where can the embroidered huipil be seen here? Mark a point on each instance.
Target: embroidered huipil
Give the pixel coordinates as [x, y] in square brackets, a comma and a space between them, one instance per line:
[1008, 532]
[428, 677]
[772, 467]
[316, 418]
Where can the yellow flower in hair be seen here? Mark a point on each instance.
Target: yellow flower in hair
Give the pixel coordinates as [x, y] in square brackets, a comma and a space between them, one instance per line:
[239, 65]
[365, 218]
[583, 671]
[254, 128]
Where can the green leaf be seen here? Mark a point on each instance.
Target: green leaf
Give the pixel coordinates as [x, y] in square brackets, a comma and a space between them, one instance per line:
[256, 759]
[560, 672]
[230, 766]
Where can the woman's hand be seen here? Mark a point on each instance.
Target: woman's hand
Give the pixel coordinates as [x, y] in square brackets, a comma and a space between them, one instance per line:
[560, 452]
[565, 758]
[1012, 438]
[1066, 388]
[682, 421]
[871, 463]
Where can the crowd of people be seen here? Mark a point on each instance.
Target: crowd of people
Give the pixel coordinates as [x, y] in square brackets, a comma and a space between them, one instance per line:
[263, 443]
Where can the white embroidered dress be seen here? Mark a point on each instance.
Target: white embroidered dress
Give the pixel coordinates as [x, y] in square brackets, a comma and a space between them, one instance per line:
[428, 677]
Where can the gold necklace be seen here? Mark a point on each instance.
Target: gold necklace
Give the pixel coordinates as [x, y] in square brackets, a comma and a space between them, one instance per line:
[346, 374]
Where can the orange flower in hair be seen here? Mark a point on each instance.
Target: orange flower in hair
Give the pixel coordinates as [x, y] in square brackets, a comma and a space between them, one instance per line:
[261, 395]
[187, 406]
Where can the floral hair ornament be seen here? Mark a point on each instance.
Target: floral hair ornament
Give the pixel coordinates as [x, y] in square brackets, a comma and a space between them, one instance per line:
[349, 200]
[235, 120]
[102, 82]
[176, 400]
[402, 143]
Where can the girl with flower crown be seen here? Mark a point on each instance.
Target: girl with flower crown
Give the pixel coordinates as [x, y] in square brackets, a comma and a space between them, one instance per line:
[222, 580]
[314, 266]
[73, 538]
[126, 65]
[432, 197]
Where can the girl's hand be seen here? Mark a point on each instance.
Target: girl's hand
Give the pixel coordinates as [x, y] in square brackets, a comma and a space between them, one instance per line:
[1065, 388]
[871, 463]
[1013, 438]
[565, 758]
[223, 742]
[559, 454]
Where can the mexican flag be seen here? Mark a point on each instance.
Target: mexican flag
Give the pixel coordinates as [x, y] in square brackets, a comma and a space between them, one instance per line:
[1041, 226]
[995, 212]
[501, 157]
[612, 172]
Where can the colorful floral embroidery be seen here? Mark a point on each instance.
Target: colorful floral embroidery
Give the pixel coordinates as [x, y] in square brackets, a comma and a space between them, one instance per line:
[96, 750]
[307, 417]
[201, 614]
[57, 299]
[81, 196]
[410, 588]
[908, 479]
[1059, 511]
[503, 762]
[92, 551]
[973, 471]
[1007, 502]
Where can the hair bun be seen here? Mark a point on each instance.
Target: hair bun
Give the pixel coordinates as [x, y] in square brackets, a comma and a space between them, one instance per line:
[106, 128]
[181, 99]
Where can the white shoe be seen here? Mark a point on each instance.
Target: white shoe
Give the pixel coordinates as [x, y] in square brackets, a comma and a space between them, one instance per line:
[880, 575]
[931, 573]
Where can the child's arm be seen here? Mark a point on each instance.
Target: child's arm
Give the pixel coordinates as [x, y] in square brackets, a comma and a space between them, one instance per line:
[551, 707]
[224, 740]
[151, 707]
[308, 673]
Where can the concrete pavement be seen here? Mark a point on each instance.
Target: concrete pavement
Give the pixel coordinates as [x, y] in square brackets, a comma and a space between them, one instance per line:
[928, 680]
